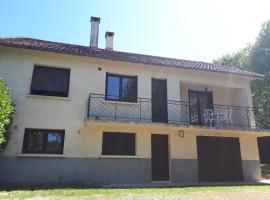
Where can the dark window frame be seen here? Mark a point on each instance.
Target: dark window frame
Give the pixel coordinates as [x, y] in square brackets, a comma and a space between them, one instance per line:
[49, 93]
[122, 99]
[45, 141]
[209, 103]
[132, 145]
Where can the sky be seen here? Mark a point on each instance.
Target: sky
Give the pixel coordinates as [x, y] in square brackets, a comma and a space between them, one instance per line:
[200, 30]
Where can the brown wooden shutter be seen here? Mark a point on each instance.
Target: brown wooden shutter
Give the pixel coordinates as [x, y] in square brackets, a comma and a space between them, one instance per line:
[50, 81]
[118, 144]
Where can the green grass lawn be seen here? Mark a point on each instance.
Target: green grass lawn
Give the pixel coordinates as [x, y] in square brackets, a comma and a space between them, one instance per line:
[191, 193]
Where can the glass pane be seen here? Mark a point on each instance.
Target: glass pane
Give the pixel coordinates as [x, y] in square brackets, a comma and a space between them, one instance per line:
[113, 87]
[193, 103]
[203, 102]
[128, 89]
[35, 142]
[54, 142]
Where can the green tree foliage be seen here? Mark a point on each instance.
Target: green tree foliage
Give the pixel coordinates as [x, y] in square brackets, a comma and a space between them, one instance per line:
[259, 61]
[255, 57]
[238, 59]
[6, 110]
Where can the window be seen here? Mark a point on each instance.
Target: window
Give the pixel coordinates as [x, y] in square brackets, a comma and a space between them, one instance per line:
[43, 141]
[118, 144]
[50, 81]
[121, 88]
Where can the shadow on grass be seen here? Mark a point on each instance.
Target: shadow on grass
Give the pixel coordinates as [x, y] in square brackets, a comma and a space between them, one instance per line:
[101, 186]
[265, 171]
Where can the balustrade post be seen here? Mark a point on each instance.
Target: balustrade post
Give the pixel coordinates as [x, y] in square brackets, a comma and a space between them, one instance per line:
[115, 107]
[140, 109]
[248, 118]
[88, 108]
[187, 113]
[229, 117]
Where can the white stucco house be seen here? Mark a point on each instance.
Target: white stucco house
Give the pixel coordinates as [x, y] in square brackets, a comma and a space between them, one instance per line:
[91, 115]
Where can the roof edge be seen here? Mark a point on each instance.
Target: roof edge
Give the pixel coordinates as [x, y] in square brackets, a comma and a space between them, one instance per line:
[252, 74]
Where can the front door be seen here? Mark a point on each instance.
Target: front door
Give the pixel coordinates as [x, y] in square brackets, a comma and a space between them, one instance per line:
[199, 101]
[160, 157]
[159, 101]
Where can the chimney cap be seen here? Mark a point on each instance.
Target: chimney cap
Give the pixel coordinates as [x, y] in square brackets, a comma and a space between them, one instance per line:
[111, 34]
[95, 19]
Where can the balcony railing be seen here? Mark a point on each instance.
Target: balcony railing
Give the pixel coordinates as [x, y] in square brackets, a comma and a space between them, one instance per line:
[177, 112]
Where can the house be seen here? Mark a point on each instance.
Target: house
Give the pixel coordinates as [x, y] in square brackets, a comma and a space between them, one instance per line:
[91, 115]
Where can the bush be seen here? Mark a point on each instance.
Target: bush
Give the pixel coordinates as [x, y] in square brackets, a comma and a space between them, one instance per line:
[6, 110]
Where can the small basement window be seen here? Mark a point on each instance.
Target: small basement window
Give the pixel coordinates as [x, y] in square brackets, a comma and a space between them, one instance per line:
[118, 143]
[121, 88]
[50, 81]
[43, 141]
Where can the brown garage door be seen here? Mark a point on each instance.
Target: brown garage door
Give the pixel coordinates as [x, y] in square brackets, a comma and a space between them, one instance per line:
[219, 159]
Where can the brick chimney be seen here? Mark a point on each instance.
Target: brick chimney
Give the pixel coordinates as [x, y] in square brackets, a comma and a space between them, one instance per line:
[109, 40]
[94, 31]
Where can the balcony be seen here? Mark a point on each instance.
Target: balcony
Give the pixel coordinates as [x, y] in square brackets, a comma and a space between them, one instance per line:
[175, 112]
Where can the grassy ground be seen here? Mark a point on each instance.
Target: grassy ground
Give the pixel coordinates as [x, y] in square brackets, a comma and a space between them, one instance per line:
[265, 170]
[187, 193]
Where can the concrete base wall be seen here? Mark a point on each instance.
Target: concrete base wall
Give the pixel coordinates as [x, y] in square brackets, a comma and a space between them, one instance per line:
[251, 170]
[90, 170]
[184, 170]
[77, 170]
[25, 170]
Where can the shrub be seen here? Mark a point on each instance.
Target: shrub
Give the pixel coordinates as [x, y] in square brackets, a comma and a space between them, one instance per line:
[6, 110]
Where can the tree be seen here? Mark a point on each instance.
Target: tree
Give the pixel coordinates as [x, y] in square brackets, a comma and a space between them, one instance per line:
[255, 57]
[238, 59]
[260, 52]
[6, 110]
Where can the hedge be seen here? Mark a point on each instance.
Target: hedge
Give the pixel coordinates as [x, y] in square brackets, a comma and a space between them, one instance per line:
[6, 110]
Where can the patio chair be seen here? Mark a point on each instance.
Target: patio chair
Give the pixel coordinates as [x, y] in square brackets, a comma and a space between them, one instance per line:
[194, 119]
[209, 117]
[224, 117]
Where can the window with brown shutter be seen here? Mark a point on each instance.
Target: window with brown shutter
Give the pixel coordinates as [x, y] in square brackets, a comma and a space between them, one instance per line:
[50, 81]
[118, 143]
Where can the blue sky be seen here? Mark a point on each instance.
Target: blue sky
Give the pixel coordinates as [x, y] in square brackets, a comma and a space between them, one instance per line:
[190, 29]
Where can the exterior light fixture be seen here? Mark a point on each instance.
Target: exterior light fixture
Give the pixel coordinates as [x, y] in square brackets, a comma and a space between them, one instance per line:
[181, 133]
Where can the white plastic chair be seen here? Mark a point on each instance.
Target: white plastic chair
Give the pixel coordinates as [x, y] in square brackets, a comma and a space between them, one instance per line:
[224, 117]
[194, 118]
[209, 117]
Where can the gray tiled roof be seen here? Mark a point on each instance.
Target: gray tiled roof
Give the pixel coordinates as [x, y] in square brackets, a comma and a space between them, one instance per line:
[30, 43]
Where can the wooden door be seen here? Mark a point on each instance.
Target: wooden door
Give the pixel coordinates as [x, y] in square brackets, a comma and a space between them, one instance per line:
[159, 101]
[160, 157]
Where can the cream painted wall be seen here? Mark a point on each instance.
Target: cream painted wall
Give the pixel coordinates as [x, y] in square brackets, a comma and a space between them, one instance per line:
[222, 95]
[180, 147]
[16, 66]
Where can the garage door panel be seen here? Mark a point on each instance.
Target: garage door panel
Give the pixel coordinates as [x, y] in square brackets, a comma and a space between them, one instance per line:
[219, 159]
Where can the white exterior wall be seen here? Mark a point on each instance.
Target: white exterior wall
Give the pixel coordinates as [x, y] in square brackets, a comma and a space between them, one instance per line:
[16, 66]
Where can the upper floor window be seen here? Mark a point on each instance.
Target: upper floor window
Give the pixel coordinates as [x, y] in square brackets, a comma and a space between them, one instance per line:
[43, 141]
[118, 143]
[121, 88]
[50, 81]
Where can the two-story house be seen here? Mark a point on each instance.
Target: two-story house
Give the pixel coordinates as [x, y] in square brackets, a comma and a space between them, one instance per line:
[91, 115]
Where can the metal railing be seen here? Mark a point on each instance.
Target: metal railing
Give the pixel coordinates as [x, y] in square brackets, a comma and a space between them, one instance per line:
[176, 112]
